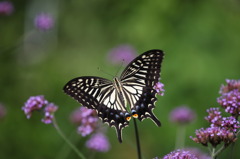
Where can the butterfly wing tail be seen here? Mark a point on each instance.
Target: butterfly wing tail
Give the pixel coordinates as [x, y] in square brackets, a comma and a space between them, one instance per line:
[113, 118]
[119, 133]
[149, 114]
[155, 119]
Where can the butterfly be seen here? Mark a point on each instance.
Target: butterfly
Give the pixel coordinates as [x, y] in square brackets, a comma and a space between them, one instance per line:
[134, 87]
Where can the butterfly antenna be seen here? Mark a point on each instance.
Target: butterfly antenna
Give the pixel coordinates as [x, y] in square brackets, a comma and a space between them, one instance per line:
[119, 68]
[105, 72]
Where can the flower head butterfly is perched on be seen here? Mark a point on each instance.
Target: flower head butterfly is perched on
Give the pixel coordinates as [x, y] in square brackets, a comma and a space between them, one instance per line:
[134, 87]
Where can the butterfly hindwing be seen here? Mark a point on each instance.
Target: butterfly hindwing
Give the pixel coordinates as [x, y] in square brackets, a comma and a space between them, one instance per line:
[99, 94]
[138, 80]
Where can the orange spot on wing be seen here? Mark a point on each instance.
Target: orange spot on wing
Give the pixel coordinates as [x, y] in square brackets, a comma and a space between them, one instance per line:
[128, 118]
[135, 115]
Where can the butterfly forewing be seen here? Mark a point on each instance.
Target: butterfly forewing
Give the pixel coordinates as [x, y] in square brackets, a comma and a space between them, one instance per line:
[99, 94]
[138, 80]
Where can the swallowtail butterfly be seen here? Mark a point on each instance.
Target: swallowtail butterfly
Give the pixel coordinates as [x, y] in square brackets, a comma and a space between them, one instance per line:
[110, 98]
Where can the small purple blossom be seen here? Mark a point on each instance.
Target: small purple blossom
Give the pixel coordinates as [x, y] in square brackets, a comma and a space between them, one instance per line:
[6, 8]
[214, 116]
[230, 123]
[159, 88]
[231, 85]
[214, 136]
[85, 130]
[3, 111]
[51, 108]
[80, 114]
[86, 119]
[41, 104]
[198, 153]
[48, 118]
[98, 142]
[182, 115]
[231, 102]
[34, 103]
[49, 111]
[180, 154]
[122, 54]
[44, 22]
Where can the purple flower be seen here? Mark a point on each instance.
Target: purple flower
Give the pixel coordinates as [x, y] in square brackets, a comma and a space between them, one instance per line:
[231, 85]
[44, 21]
[51, 108]
[214, 136]
[80, 114]
[122, 54]
[214, 116]
[6, 8]
[2, 111]
[198, 153]
[86, 119]
[231, 102]
[230, 123]
[159, 88]
[182, 115]
[85, 130]
[98, 142]
[180, 154]
[48, 118]
[34, 103]
[41, 104]
[49, 111]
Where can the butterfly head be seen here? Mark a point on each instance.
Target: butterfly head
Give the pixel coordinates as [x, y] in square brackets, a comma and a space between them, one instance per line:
[134, 114]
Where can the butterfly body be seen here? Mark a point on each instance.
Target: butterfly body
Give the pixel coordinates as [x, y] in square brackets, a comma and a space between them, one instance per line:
[110, 98]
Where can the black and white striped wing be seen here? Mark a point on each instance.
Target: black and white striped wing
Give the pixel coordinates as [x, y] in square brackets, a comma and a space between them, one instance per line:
[138, 80]
[99, 94]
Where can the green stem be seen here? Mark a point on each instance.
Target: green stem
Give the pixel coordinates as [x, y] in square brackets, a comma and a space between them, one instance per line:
[180, 137]
[65, 149]
[232, 150]
[213, 155]
[137, 139]
[80, 155]
[238, 133]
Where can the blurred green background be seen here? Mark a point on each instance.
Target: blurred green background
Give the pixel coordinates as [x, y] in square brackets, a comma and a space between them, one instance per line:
[201, 40]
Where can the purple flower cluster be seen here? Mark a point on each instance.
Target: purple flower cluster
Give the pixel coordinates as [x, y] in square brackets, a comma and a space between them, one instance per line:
[87, 122]
[214, 116]
[39, 103]
[231, 85]
[49, 111]
[231, 102]
[44, 22]
[222, 129]
[230, 97]
[159, 88]
[34, 103]
[182, 115]
[98, 142]
[214, 136]
[6, 8]
[198, 153]
[86, 119]
[122, 54]
[230, 123]
[180, 154]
